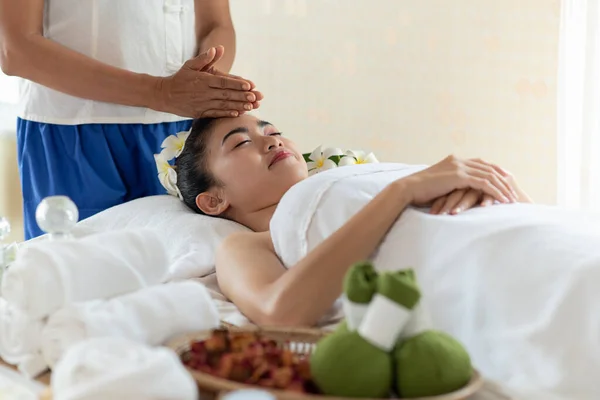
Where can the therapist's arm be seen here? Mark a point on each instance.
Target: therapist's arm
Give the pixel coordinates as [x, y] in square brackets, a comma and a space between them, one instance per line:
[26, 53]
[214, 27]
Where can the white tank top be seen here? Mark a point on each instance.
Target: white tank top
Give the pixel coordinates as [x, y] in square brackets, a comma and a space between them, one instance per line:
[151, 36]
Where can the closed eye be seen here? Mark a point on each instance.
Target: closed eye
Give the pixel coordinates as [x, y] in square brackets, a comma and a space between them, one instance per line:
[241, 143]
[275, 134]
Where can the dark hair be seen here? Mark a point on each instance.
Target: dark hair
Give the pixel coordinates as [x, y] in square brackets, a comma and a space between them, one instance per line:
[193, 175]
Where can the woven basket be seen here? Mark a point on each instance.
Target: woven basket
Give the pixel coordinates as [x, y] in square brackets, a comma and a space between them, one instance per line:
[299, 341]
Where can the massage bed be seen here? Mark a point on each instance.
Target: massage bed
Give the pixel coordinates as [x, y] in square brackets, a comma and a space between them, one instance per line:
[193, 259]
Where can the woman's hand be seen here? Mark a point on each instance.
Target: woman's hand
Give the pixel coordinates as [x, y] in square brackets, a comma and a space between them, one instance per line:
[522, 197]
[472, 179]
[199, 90]
[460, 200]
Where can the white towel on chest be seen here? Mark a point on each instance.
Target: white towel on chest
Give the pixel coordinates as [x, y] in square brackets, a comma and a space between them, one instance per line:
[150, 316]
[49, 274]
[116, 368]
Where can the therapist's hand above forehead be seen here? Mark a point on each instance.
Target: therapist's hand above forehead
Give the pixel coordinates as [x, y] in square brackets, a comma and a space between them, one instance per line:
[200, 90]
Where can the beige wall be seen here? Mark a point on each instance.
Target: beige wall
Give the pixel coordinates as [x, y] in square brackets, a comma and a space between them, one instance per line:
[10, 188]
[411, 80]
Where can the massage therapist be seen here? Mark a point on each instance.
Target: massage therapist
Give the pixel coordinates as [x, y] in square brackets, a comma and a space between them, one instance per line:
[105, 82]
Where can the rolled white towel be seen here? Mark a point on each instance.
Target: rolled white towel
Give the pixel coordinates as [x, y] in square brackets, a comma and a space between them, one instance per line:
[20, 340]
[49, 274]
[150, 316]
[117, 368]
[20, 334]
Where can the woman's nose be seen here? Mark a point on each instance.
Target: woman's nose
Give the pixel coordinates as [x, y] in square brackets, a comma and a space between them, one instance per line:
[273, 142]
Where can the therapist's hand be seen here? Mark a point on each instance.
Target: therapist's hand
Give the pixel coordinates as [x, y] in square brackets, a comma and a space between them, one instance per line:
[199, 90]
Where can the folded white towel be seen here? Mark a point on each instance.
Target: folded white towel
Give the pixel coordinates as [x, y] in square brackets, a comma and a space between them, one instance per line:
[150, 316]
[20, 340]
[116, 368]
[49, 274]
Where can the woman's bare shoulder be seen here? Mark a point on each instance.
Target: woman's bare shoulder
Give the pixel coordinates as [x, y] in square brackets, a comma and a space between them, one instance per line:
[244, 241]
[247, 237]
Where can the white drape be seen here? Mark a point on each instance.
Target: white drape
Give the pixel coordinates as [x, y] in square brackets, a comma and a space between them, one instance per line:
[578, 147]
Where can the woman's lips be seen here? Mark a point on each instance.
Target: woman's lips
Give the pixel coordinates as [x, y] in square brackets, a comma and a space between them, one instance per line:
[280, 156]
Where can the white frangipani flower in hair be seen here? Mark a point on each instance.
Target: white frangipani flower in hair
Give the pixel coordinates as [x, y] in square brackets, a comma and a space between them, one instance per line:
[319, 159]
[173, 145]
[167, 175]
[357, 157]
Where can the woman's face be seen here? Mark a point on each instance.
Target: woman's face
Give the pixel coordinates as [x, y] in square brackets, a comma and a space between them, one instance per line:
[254, 163]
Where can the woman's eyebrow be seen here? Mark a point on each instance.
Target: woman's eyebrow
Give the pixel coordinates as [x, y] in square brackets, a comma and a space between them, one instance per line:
[241, 129]
[262, 124]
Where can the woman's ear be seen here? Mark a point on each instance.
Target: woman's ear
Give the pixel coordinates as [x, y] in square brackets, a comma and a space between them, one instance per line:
[212, 203]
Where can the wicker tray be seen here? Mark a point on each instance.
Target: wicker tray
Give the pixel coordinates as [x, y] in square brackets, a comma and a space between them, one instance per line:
[300, 341]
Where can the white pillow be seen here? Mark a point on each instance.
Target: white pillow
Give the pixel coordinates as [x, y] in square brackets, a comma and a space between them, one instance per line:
[191, 238]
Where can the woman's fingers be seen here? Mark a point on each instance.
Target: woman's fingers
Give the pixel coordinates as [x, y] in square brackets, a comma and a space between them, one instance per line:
[492, 170]
[468, 200]
[458, 201]
[437, 205]
[494, 181]
[487, 200]
[452, 200]
[485, 185]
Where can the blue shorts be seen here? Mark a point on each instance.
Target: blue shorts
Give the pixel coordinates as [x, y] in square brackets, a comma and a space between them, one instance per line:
[96, 165]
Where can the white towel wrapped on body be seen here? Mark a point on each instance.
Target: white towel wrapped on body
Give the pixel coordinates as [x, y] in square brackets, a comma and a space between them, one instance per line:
[49, 274]
[150, 316]
[116, 368]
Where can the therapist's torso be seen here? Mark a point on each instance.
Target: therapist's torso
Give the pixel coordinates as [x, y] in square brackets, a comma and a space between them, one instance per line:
[145, 36]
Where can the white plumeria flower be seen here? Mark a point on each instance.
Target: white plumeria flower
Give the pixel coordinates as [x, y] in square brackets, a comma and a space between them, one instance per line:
[167, 175]
[173, 145]
[319, 159]
[357, 157]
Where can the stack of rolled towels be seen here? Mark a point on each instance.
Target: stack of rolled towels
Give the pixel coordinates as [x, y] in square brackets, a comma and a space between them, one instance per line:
[386, 345]
[57, 294]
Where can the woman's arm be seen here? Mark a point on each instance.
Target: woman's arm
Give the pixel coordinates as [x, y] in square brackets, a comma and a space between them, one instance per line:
[214, 27]
[251, 275]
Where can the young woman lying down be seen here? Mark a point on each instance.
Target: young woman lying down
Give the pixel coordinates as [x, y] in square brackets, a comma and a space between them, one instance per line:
[514, 281]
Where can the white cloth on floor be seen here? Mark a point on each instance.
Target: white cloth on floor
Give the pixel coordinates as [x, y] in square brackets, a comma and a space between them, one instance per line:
[49, 274]
[150, 316]
[117, 368]
[20, 340]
